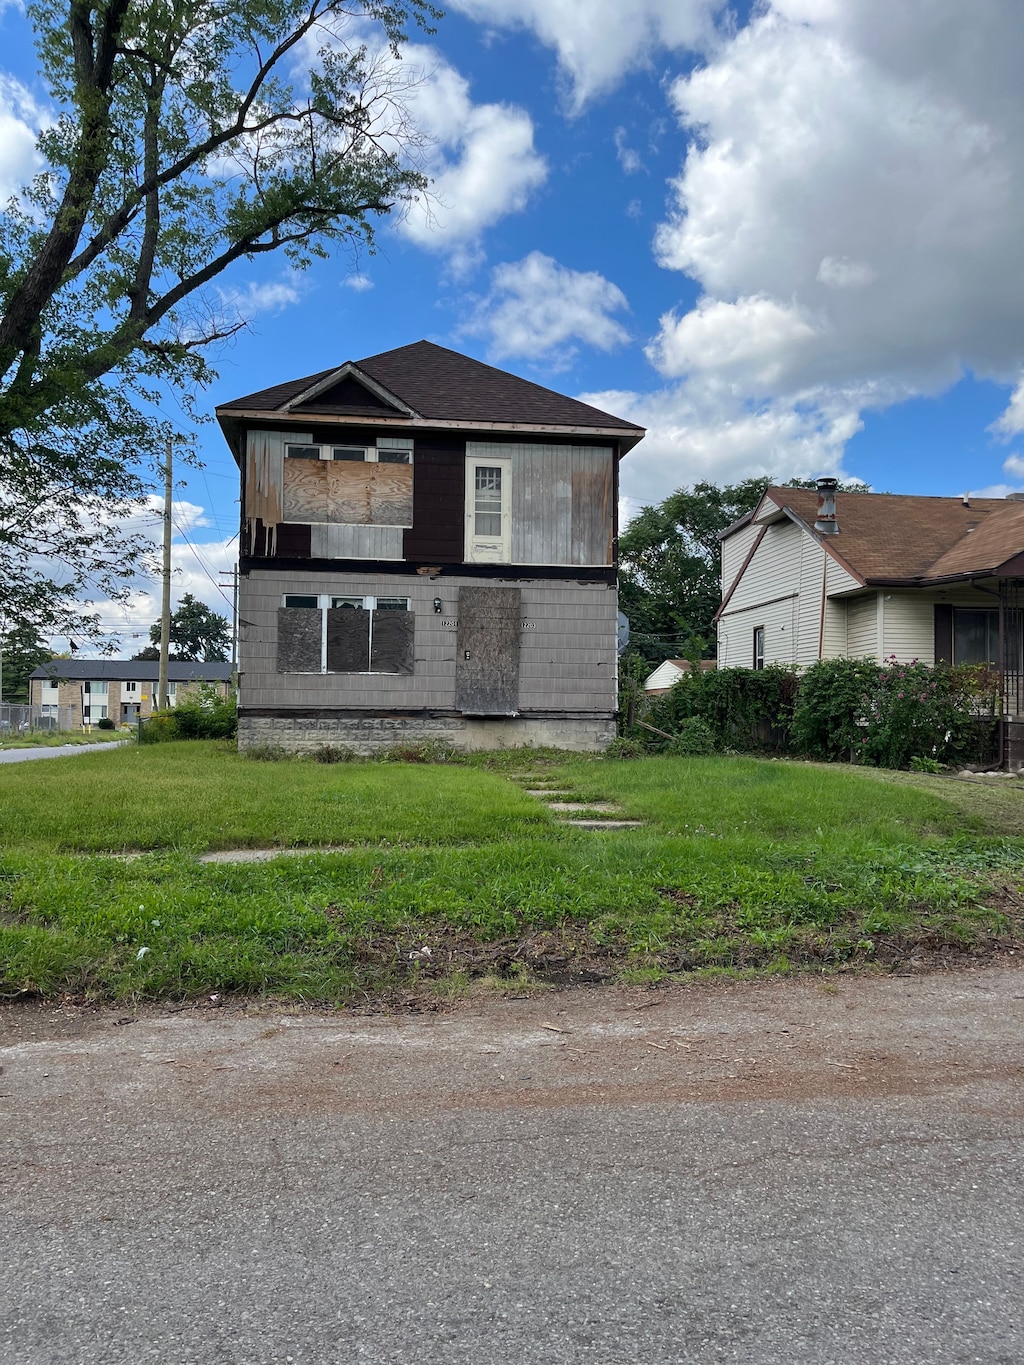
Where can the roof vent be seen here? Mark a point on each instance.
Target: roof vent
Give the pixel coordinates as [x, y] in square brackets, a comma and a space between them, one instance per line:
[825, 522]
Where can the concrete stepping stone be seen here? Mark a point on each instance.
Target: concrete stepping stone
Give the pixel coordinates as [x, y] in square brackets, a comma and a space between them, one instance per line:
[265, 855]
[604, 806]
[602, 824]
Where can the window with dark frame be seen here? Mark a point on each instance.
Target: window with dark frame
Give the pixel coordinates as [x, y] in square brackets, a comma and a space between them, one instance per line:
[350, 634]
[759, 646]
[975, 635]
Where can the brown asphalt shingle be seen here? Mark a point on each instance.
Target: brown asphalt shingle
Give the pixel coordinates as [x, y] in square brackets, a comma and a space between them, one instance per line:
[442, 385]
[890, 537]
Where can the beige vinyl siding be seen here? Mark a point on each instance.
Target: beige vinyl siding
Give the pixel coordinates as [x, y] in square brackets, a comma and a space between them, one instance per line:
[736, 634]
[862, 627]
[774, 569]
[264, 475]
[735, 549]
[567, 652]
[908, 627]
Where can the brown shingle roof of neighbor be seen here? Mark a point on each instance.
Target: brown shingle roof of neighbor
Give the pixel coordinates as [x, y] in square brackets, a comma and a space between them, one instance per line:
[892, 537]
[444, 386]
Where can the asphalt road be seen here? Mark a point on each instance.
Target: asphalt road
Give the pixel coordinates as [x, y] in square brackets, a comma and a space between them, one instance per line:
[782, 1172]
[53, 751]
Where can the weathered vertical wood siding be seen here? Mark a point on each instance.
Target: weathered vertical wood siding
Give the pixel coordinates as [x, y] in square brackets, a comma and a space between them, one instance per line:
[562, 501]
[264, 482]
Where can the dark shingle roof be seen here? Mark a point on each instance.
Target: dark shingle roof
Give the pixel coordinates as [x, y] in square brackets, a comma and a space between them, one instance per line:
[130, 670]
[443, 386]
[892, 537]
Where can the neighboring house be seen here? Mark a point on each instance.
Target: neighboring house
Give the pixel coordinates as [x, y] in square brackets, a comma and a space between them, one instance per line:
[428, 550]
[669, 673]
[85, 691]
[809, 575]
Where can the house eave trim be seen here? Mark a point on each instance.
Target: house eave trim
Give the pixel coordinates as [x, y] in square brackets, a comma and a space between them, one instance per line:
[626, 439]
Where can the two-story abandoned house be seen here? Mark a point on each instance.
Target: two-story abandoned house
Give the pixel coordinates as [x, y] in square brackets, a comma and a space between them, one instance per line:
[428, 551]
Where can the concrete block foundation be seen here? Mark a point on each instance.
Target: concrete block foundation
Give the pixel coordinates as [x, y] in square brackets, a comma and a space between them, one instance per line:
[369, 735]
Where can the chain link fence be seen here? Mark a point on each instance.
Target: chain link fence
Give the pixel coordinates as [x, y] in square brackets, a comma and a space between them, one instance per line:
[19, 719]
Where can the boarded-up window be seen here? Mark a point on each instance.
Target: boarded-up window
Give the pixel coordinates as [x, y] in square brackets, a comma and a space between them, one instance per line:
[348, 640]
[299, 632]
[348, 492]
[391, 641]
[359, 635]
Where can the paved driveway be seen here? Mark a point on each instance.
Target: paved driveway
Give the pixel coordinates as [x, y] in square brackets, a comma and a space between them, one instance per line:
[787, 1172]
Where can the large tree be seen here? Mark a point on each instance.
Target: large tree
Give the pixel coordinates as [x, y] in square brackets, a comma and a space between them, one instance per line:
[187, 135]
[670, 584]
[197, 633]
[22, 649]
[669, 553]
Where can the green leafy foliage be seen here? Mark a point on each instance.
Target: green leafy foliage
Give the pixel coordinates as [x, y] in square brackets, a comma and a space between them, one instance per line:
[744, 709]
[188, 137]
[831, 700]
[198, 633]
[22, 649]
[202, 713]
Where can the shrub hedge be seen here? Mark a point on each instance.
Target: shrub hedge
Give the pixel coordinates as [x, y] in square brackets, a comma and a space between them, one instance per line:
[887, 715]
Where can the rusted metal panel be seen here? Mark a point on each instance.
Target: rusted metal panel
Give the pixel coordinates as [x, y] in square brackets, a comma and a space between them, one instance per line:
[392, 642]
[350, 494]
[348, 640]
[298, 640]
[487, 651]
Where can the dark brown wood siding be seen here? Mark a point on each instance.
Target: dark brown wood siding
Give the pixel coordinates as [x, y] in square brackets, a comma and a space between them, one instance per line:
[439, 502]
[293, 541]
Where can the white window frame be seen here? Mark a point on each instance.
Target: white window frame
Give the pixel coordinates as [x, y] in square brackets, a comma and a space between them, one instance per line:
[49, 693]
[326, 600]
[481, 549]
[372, 453]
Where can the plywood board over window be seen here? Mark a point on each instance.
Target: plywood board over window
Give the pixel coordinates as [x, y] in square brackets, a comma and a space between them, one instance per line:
[298, 640]
[348, 493]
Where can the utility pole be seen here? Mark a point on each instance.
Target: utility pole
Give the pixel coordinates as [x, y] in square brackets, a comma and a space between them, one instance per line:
[165, 604]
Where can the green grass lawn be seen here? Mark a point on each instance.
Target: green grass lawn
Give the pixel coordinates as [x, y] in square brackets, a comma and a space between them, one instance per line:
[741, 865]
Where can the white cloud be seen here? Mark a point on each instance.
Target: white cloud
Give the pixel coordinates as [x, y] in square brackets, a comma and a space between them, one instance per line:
[537, 308]
[1014, 466]
[753, 337]
[480, 158]
[357, 281]
[1011, 422]
[851, 206]
[599, 43]
[710, 430]
[628, 157]
[21, 119]
[268, 296]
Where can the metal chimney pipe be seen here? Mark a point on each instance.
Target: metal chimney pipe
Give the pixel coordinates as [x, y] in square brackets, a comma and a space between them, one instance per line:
[825, 523]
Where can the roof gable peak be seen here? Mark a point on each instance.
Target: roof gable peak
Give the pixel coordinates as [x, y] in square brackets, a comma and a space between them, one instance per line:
[349, 370]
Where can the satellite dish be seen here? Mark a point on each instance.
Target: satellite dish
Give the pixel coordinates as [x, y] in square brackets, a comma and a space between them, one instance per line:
[623, 633]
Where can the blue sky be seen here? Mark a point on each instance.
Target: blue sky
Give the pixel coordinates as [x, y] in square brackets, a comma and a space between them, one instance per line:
[784, 238]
